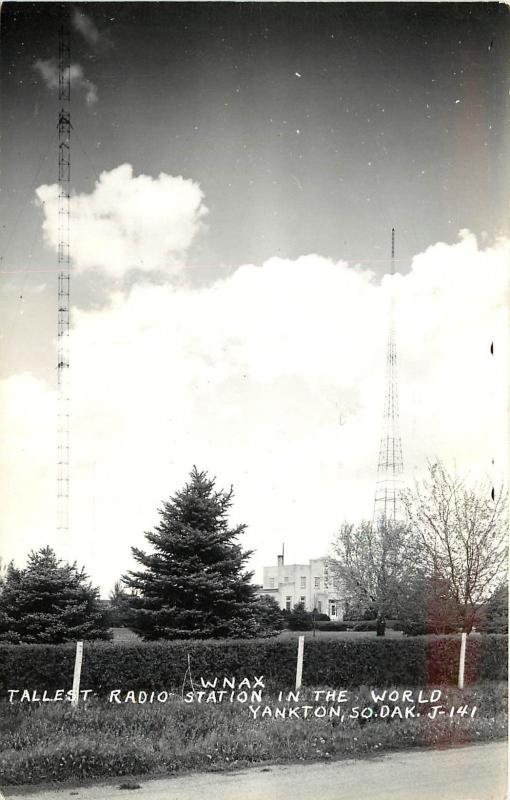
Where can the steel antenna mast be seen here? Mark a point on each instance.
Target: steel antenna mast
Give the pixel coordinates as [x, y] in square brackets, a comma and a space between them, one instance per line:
[64, 182]
[388, 494]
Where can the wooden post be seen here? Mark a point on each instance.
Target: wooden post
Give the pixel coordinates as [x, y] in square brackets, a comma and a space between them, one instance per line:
[77, 673]
[462, 660]
[299, 667]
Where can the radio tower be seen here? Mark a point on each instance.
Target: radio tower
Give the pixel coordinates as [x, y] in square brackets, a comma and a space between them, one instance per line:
[388, 494]
[64, 178]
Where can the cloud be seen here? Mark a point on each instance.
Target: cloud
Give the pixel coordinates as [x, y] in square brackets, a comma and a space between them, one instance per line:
[48, 70]
[129, 222]
[86, 27]
[273, 379]
[24, 462]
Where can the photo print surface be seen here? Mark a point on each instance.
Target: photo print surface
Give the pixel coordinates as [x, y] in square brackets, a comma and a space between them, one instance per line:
[253, 398]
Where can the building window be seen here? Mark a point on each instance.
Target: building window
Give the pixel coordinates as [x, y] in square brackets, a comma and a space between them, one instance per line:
[271, 583]
[319, 606]
[303, 582]
[288, 602]
[317, 583]
[302, 600]
[332, 608]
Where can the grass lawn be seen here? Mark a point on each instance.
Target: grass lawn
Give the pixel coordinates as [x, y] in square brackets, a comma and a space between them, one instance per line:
[324, 635]
[126, 636]
[56, 743]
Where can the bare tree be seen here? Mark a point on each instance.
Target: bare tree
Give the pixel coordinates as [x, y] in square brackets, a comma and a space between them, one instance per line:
[462, 532]
[373, 566]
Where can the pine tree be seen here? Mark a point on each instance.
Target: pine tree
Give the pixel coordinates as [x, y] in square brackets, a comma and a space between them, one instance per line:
[270, 616]
[194, 584]
[119, 611]
[3, 572]
[494, 616]
[299, 619]
[49, 602]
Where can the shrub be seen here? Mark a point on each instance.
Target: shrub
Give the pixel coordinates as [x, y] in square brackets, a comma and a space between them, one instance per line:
[341, 662]
[366, 625]
[299, 619]
[335, 626]
[269, 616]
[370, 625]
[420, 628]
[493, 617]
[497, 626]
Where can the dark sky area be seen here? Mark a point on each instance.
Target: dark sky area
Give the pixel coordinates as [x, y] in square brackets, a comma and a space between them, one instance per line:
[311, 127]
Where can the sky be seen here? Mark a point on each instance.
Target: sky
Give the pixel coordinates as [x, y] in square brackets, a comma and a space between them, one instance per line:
[236, 172]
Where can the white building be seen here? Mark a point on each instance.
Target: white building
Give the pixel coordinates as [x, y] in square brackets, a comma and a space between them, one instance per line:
[308, 583]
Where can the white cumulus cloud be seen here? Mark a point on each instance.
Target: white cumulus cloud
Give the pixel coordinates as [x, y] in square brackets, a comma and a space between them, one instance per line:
[129, 221]
[273, 379]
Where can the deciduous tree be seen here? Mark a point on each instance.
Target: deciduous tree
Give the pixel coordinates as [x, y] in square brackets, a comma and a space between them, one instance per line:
[463, 536]
[429, 606]
[373, 565]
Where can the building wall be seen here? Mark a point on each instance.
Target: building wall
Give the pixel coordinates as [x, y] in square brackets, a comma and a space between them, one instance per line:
[308, 583]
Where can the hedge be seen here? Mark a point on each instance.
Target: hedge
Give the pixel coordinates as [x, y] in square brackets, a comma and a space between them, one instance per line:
[334, 626]
[337, 663]
[364, 625]
[371, 625]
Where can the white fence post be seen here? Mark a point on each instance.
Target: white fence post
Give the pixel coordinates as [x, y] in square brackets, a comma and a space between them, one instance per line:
[77, 673]
[299, 667]
[462, 660]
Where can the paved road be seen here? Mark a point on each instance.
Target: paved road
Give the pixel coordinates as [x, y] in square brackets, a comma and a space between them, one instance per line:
[477, 772]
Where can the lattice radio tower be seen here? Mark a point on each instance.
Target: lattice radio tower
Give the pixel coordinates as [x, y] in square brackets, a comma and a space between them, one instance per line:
[64, 181]
[388, 494]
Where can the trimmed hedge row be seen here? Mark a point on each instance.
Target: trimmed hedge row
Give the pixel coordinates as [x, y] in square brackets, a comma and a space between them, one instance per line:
[371, 625]
[335, 626]
[342, 663]
[361, 625]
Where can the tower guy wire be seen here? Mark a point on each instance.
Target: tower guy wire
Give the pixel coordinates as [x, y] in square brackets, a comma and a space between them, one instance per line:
[388, 494]
[64, 264]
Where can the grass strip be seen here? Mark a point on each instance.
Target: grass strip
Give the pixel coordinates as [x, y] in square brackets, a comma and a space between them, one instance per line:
[57, 743]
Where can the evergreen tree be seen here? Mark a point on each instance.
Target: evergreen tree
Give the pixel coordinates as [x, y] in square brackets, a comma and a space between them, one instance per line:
[299, 619]
[194, 584]
[119, 608]
[49, 602]
[270, 616]
[494, 616]
[3, 572]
